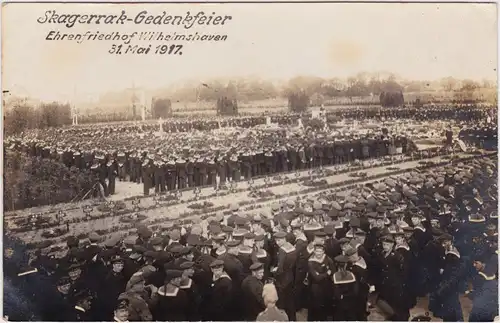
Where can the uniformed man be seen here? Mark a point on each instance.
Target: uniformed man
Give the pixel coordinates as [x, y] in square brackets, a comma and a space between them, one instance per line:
[190, 172]
[173, 301]
[484, 293]
[391, 287]
[211, 171]
[320, 270]
[359, 267]
[251, 288]
[181, 173]
[122, 170]
[447, 293]
[220, 302]
[345, 292]
[283, 272]
[111, 170]
[147, 173]
[221, 164]
[202, 171]
[159, 175]
[171, 175]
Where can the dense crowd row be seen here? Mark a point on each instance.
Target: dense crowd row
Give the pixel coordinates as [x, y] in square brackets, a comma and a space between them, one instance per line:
[176, 161]
[387, 243]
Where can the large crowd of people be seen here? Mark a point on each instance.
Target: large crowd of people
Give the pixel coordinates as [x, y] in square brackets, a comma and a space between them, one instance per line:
[180, 158]
[385, 244]
[201, 158]
[367, 254]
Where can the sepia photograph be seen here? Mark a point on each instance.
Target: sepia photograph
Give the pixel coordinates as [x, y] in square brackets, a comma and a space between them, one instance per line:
[250, 162]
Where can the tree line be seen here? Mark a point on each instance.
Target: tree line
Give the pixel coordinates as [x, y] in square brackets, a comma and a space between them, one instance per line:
[317, 88]
[22, 116]
[301, 91]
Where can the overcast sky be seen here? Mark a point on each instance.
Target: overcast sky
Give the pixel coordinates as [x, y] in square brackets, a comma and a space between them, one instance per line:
[277, 41]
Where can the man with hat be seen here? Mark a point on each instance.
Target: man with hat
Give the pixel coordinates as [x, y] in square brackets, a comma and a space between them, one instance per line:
[358, 266]
[230, 219]
[84, 309]
[332, 245]
[185, 254]
[58, 306]
[246, 253]
[190, 172]
[232, 263]
[444, 301]
[420, 237]
[320, 271]
[93, 249]
[147, 175]
[392, 280]
[257, 228]
[202, 167]
[218, 245]
[174, 237]
[158, 174]
[112, 173]
[345, 295]
[301, 266]
[173, 301]
[188, 285]
[261, 255]
[181, 173]
[220, 301]
[251, 289]
[484, 294]
[121, 313]
[122, 168]
[112, 286]
[283, 272]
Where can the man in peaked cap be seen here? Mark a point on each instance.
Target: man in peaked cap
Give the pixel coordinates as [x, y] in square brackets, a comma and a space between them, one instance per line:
[147, 172]
[192, 290]
[344, 281]
[220, 302]
[251, 288]
[111, 174]
[58, 305]
[181, 167]
[484, 294]
[172, 300]
[232, 263]
[283, 272]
